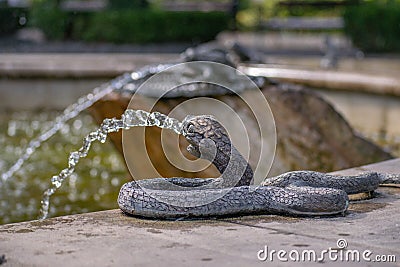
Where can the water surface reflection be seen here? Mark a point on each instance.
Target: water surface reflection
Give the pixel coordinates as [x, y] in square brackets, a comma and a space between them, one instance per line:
[94, 186]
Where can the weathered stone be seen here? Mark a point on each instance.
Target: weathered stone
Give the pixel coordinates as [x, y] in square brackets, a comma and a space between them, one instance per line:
[311, 134]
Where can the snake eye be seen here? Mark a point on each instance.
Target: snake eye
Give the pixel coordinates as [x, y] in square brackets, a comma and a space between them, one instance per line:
[191, 128]
[188, 129]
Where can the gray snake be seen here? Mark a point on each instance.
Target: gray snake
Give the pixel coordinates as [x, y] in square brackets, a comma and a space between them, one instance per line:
[292, 193]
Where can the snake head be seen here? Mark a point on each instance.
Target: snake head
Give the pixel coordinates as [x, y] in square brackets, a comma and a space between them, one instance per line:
[204, 134]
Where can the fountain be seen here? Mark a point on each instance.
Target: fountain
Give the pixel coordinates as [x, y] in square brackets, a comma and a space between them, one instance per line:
[125, 84]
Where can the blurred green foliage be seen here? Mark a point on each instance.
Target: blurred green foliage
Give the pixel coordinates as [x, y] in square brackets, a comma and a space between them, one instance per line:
[140, 26]
[51, 20]
[127, 22]
[254, 12]
[309, 11]
[124, 4]
[374, 26]
[9, 19]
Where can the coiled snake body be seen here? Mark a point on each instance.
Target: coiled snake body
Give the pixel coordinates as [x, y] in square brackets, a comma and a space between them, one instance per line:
[292, 193]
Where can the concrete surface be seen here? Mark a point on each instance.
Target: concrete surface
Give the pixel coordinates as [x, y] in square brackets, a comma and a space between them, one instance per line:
[76, 65]
[110, 238]
[330, 79]
[28, 81]
[289, 43]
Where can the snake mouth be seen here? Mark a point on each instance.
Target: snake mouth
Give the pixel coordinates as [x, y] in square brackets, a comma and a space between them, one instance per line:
[188, 131]
[194, 129]
[187, 125]
[191, 126]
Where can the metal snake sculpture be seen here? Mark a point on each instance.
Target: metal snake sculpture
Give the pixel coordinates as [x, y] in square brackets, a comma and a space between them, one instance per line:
[294, 193]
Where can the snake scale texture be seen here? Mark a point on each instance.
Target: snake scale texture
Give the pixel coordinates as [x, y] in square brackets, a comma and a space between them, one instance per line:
[294, 193]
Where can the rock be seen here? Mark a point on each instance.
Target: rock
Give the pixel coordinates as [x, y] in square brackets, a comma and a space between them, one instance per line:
[311, 134]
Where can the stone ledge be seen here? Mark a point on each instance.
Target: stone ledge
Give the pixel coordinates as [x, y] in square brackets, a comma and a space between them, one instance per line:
[110, 238]
[106, 66]
[329, 79]
[76, 65]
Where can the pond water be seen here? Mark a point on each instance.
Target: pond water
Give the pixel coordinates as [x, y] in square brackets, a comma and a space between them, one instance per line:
[375, 117]
[94, 186]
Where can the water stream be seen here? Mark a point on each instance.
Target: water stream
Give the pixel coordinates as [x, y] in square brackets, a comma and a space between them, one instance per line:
[39, 130]
[70, 112]
[126, 82]
[130, 118]
[93, 187]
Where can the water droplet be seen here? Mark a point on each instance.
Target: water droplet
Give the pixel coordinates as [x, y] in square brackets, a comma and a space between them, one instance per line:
[115, 181]
[135, 118]
[73, 159]
[77, 124]
[56, 181]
